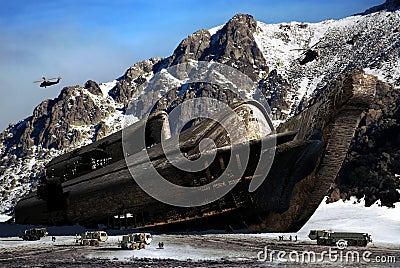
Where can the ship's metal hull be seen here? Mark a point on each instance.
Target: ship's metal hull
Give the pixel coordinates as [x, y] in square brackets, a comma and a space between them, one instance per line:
[111, 197]
[310, 150]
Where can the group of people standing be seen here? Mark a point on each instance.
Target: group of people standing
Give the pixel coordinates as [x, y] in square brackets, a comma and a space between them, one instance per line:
[281, 238]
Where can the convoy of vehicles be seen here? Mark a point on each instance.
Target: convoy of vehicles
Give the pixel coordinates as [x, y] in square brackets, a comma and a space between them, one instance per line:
[325, 237]
[141, 240]
[34, 234]
[93, 238]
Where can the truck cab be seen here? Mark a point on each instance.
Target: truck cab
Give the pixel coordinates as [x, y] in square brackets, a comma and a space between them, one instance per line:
[314, 234]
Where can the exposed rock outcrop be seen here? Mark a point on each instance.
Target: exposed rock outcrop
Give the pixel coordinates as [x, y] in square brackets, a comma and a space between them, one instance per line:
[374, 155]
[389, 5]
[233, 45]
[93, 87]
[132, 79]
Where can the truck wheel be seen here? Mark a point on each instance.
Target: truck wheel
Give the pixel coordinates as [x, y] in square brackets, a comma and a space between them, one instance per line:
[360, 243]
[135, 246]
[96, 243]
[85, 243]
[142, 246]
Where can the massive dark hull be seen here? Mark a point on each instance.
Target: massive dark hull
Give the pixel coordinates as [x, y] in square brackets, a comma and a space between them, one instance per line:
[102, 196]
[309, 153]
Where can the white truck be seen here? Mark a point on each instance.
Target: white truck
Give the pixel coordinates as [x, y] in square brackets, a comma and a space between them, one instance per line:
[92, 238]
[135, 241]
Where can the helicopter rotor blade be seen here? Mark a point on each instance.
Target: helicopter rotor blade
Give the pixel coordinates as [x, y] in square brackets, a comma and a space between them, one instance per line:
[298, 49]
[38, 81]
[44, 79]
[316, 44]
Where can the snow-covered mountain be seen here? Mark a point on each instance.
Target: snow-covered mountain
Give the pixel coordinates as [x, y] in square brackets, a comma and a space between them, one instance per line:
[272, 55]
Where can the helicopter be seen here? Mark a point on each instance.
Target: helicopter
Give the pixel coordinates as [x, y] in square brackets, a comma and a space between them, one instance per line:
[47, 82]
[309, 54]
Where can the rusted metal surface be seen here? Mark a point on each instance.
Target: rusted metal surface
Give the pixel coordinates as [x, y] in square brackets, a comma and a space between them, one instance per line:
[304, 166]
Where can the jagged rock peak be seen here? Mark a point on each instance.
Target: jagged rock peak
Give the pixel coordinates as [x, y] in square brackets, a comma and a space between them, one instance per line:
[191, 47]
[237, 47]
[242, 20]
[133, 77]
[141, 68]
[93, 87]
[233, 45]
[389, 5]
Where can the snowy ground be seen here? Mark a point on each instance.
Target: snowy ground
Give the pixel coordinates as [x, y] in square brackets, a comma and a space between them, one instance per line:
[4, 218]
[381, 222]
[211, 250]
[219, 250]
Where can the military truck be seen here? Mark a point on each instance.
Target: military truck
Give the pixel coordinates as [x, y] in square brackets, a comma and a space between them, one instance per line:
[34, 234]
[92, 238]
[325, 237]
[135, 241]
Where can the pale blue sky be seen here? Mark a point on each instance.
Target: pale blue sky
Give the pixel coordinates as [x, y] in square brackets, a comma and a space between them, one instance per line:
[99, 40]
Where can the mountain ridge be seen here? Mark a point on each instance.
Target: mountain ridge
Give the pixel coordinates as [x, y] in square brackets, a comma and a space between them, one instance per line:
[389, 5]
[80, 115]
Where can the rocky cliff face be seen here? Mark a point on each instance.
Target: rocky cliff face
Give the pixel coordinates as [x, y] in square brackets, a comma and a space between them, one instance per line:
[389, 5]
[233, 45]
[266, 54]
[374, 156]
